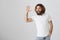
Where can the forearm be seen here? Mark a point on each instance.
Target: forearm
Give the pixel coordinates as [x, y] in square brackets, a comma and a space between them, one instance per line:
[51, 28]
[27, 16]
[27, 12]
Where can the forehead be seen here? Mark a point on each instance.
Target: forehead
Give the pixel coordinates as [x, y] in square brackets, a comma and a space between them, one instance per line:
[38, 7]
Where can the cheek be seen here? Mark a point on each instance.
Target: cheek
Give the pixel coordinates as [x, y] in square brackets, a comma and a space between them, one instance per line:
[38, 9]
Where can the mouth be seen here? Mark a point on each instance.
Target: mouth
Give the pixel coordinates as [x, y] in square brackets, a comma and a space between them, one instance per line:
[38, 11]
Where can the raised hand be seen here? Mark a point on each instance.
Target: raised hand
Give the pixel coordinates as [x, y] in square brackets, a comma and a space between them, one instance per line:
[28, 9]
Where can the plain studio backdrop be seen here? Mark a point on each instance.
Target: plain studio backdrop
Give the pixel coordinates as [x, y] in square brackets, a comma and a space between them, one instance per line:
[13, 25]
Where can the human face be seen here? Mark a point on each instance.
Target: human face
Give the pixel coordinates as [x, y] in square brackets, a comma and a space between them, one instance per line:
[38, 10]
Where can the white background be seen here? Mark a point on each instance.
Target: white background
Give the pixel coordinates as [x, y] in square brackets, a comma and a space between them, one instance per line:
[13, 25]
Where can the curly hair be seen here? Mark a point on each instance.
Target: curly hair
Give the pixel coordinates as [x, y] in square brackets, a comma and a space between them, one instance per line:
[42, 7]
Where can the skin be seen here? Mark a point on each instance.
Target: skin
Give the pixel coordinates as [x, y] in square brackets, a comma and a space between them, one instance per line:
[38, 10]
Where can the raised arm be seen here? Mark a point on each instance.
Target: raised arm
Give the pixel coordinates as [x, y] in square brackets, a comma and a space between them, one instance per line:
[27, 19]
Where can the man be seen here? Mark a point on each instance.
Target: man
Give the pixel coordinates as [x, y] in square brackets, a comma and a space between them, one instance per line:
[43, 22]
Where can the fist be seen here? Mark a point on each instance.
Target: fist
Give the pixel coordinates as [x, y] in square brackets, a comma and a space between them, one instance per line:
[28, 9]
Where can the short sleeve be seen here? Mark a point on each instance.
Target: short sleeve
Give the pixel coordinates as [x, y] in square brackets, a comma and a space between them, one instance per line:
[49, 18]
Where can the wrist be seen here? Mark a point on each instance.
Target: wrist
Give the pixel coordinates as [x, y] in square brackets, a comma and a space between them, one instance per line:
[49, 34]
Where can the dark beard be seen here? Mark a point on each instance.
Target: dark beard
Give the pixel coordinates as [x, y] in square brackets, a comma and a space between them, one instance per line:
[39, 13]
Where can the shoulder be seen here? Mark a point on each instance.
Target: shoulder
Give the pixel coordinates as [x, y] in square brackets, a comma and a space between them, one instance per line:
[48, 15]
